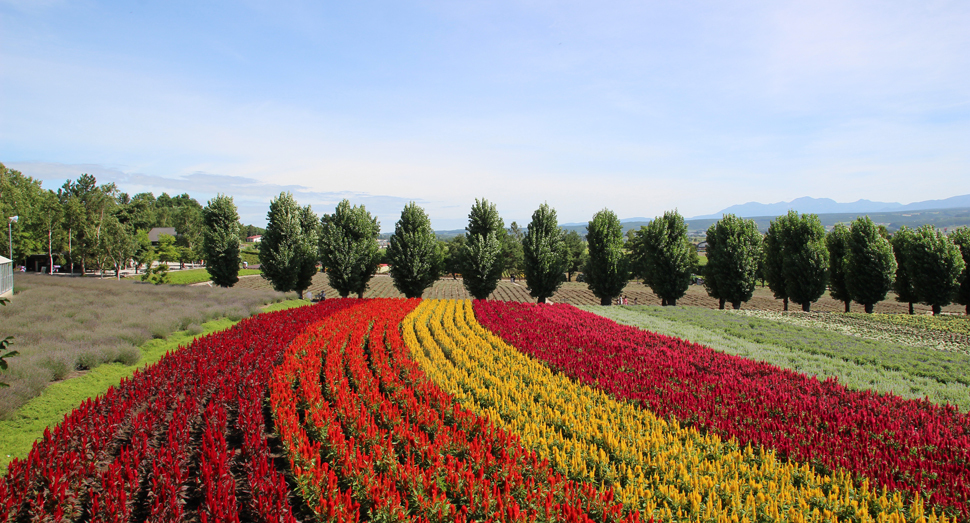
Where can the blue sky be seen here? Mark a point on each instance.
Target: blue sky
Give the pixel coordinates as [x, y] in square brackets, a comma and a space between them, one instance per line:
[638, 107]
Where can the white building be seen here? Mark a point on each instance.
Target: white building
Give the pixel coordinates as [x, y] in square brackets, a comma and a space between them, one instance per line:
[6, 277]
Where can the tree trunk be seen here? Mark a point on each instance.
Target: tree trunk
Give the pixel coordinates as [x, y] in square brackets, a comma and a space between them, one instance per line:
[785, 301]
[937, 310]
[848, 305]
[868, 308]
[606, 301]
[736, 305]
[721, 304]
[360, 295]
[807, 307]
[672, 303]
[911, 309]
[542, 299]
[50, 251]
[663, 302]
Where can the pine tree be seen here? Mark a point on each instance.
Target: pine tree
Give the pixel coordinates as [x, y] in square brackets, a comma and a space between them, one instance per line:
[287, 252]
[220, 240]
[733, 250]
[414, 254]
[961, 238]
[348, 248]
[665, 256]
[481, 256]
[935, 266]
[871, 266]
[837, 242]
[607, 269]
[806, 259]
[902, 243]
[545, 254]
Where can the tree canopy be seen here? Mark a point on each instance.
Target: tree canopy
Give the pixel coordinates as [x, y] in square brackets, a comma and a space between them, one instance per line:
[665, 257]
[287, 253]
[481, 257]
[733, 250]
[220, 240]
[607, 268]
[348, 248]
[413, 252]
[545, 254]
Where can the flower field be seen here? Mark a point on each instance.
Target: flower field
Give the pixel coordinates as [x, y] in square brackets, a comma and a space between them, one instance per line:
[449, 410]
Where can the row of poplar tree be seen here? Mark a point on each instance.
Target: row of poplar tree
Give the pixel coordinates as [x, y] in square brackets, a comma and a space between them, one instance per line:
[796, 258]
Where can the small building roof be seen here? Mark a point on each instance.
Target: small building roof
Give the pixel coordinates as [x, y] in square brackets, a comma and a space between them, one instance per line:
[156, 231]
[4, 259]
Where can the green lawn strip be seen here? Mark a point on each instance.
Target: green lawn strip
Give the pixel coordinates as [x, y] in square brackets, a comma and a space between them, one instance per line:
[190, 276]
[955, 324]
[854, 375]
[943, 366]
[884, 327]
[27, 424]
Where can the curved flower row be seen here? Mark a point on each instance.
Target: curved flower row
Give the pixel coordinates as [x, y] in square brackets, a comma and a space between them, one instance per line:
[655, 466]
[370, 438]
[903, 445]
[132, 453]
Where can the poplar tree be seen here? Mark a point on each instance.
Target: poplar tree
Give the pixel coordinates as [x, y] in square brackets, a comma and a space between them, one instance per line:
[545, 254]
[902, 243]
[935, 265]
[348, 248]
[961, 238]
[733, 250]
[220, 240]
[837, 242]
[607, 269]
[665, 256]
[576, 248]
[481, 255]
[287, 251]
[774, 258]
[414, 254]
[871, 266]
[806, 259]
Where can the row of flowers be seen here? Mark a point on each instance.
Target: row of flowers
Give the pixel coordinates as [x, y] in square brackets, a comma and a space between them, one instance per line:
[135, 452]
[655, 466]
[901, 445]
[370, 438]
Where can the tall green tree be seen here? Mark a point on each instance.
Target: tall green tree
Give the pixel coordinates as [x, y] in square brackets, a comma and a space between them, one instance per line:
[117, 244]
[871, 265]
[733, 250]
[481, 257]
[288, 250]
[961, 238]
[806, 260]
[96, 204]
[413, 252]
[665, 256]
[20, 196]
[773, 260]
[837, 242]
[166, 251]
[50, 216]
[348, 248]
[220, 240]
[576, 249]
[936, 266]
[607, 269]
[902, 243]
[544, 254]
[144, 251]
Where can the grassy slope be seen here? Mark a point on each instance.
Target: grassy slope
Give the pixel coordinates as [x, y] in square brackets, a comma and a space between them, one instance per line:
[200, 275]
[18, 433]
[857, 363]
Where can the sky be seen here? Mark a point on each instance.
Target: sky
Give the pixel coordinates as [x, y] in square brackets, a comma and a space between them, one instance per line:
[639, 107]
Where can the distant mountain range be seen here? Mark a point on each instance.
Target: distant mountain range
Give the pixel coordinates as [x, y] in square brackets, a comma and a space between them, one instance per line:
[828, 206]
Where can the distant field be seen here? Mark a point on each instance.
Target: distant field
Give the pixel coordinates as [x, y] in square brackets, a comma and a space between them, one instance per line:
[200, 275]
[381, 286]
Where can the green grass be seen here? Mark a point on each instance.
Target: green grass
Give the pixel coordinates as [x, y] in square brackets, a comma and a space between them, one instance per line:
[200, 275]
[857, 363]
[19, 431]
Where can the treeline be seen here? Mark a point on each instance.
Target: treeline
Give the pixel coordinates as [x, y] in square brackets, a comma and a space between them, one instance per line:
[84, 225]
